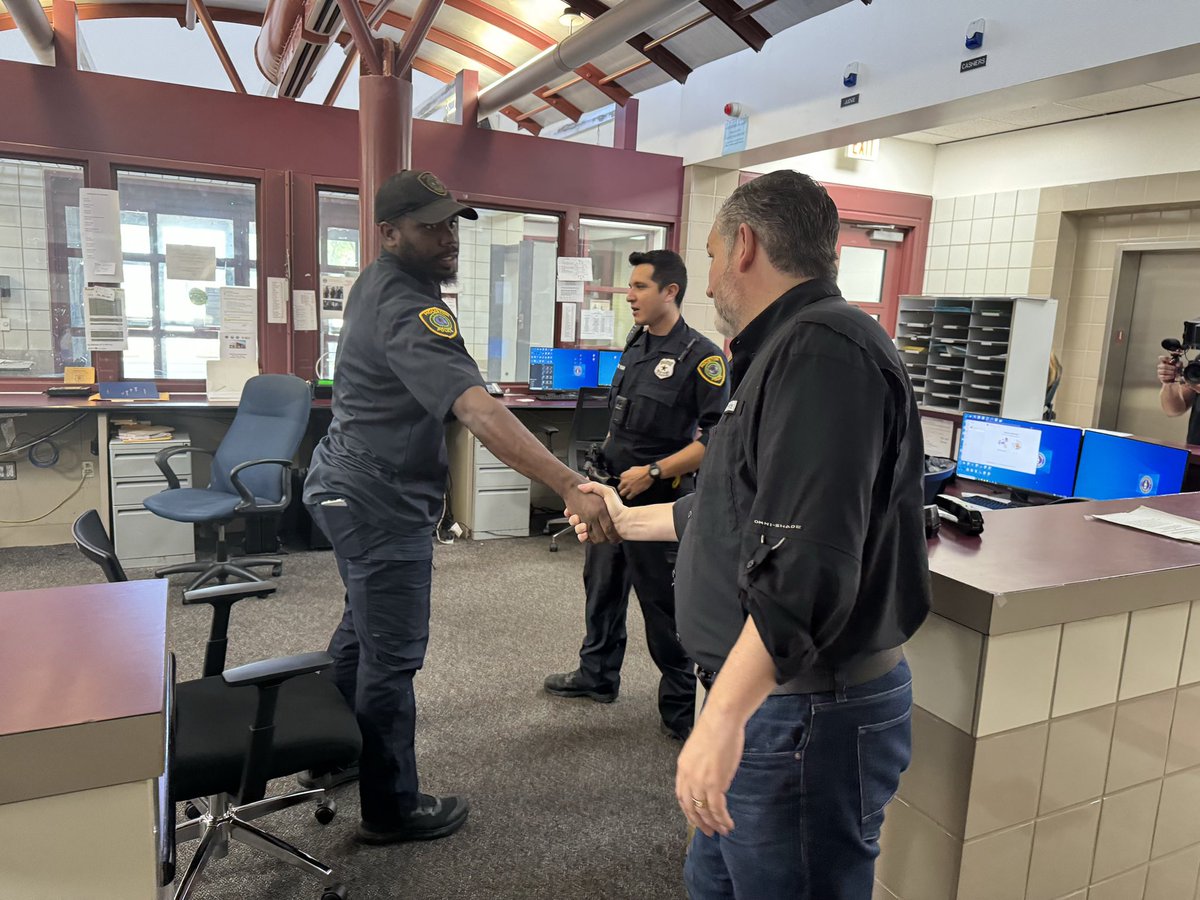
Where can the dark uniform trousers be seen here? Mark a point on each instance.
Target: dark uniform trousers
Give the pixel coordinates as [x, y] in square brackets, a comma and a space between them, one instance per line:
[609, 570]
[377, 649]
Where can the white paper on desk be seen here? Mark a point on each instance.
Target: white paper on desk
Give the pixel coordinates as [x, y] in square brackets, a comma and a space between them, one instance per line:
[227, 377]
[596, 325]
[574, 268]
[104, 324]
[239, 310]
[100, 235]
[1156, 521]
[939, 436]
[304, 308]
[570, 291]
[566, 329]
[277, 291]
[191, 262]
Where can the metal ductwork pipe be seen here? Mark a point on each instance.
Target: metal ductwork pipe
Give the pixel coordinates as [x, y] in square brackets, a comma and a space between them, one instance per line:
[32, 21]
[615, 27]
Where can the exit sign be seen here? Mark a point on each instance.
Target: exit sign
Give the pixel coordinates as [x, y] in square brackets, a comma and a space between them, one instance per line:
[863, 150]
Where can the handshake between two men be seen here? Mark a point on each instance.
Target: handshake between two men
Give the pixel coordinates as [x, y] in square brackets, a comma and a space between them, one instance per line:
[616, 521]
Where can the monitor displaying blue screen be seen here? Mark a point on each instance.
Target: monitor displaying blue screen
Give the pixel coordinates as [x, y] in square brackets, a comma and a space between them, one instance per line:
[608, 366]
[557, 369]
[1030, 456]
[1116, 468]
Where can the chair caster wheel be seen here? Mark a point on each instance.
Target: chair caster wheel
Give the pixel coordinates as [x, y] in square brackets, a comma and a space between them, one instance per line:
[335, 892]
[191, 810]
[276, 571]
[553, 548]
[325, 811]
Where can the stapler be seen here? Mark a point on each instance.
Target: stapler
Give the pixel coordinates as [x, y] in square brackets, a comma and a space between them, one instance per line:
[955, 512]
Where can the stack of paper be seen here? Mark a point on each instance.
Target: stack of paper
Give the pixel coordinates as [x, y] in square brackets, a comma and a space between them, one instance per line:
[139, 432]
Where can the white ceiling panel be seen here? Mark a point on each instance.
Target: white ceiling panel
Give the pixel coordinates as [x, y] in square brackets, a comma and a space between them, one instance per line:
[1126, 98]
[1043, 114]
[1187, 86]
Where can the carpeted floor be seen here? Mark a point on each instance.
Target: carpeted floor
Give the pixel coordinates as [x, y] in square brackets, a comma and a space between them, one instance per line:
[570, 799]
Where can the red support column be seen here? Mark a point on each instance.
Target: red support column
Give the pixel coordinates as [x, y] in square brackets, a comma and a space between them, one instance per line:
[385, 143]
[466, 98]
[625, 126]
[65, 20]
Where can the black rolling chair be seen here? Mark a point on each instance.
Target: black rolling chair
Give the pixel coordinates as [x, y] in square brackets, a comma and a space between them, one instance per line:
[589, 426]
[250, 475]
[226, 742]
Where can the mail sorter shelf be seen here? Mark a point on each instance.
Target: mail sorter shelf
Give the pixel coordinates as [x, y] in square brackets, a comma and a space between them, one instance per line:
[982, 354]
[143, 539]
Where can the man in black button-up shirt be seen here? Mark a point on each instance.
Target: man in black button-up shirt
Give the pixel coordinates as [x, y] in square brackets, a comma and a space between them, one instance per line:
[802, 566]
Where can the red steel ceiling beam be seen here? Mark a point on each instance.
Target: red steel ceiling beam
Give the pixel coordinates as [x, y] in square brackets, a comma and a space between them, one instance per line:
[660, 56]
[463, 47]
[356, 20]
[206, 22]
[567, 108]
[413, 36]
[745, 27]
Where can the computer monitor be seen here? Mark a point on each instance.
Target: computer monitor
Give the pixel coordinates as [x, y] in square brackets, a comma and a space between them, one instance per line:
[1112, 467]
[1038, 457]
[558, 369]
[608, 366]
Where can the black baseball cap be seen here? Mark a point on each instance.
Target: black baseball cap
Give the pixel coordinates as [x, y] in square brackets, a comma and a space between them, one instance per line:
[420, 196]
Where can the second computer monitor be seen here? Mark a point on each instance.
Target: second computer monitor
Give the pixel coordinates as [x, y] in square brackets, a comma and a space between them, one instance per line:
[608, 366]
[1031, 456]
[560, 369]
[1112, 467]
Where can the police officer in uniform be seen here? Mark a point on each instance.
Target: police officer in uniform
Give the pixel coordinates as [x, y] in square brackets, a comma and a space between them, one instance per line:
[668, 391]
[376, 487]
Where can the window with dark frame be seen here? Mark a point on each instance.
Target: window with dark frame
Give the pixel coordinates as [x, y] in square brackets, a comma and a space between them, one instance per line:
[174, 325]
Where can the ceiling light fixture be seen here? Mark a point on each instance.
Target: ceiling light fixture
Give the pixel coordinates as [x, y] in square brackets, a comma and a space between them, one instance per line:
[572, 18]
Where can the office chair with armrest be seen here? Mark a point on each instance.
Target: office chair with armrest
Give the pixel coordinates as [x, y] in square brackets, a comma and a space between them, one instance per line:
[589, 425]
[250, 475]
[226, 742]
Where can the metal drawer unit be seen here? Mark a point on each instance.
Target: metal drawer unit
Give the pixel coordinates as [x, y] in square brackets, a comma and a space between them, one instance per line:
[143, 539]
[488, 497]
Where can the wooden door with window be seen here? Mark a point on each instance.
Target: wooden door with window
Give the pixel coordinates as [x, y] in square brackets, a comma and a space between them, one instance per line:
[869, 269]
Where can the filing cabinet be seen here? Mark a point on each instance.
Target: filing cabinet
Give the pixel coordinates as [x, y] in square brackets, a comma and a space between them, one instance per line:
[488, 498]
[143, 539]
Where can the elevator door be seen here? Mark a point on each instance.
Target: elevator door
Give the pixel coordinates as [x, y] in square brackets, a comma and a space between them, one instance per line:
[1167, 293]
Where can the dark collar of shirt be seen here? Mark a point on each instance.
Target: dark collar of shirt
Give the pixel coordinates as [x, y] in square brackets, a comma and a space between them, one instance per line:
[669, 342]
[392, 262]
[746, 345]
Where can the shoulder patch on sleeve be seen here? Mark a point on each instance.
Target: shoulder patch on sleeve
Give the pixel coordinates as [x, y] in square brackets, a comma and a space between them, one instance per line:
[439, 322]
[712, 370]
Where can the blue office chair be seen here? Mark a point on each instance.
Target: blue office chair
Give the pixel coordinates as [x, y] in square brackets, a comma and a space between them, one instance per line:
[250, 475]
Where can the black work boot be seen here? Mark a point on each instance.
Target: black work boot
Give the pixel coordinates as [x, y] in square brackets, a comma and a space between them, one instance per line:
[434, 817]
[572, 684]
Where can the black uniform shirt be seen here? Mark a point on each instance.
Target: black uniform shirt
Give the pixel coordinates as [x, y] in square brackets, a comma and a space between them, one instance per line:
[1193, 432]
[663, 390]
[808, 513]
[401, 364]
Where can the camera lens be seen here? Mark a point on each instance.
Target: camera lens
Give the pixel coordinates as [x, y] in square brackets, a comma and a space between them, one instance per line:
[1191, 373]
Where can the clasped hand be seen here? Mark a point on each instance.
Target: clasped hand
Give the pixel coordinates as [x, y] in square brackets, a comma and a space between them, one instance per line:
[592, 514]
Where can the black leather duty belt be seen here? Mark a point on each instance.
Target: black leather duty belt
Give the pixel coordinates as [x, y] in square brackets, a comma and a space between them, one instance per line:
[824, 680]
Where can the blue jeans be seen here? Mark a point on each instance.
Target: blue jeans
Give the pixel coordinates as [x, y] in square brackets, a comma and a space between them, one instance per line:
[808, 798]
[377, 649]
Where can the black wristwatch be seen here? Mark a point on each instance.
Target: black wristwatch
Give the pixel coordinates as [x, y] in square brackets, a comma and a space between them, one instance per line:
[655, 471]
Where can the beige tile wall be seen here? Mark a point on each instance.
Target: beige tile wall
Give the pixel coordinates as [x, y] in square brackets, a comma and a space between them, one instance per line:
[704, 190]
[1091, 789]
[981, 244]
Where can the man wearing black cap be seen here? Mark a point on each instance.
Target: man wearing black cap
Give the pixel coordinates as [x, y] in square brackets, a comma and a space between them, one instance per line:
[377, 481]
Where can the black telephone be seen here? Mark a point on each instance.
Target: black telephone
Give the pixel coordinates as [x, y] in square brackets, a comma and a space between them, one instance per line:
[494, 389]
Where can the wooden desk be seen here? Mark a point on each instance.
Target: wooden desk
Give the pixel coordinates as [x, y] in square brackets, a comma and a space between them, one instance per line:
[1058, 676]
[82, 729]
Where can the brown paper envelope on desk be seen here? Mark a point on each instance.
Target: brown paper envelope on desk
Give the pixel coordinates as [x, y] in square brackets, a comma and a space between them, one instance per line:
[227, 377]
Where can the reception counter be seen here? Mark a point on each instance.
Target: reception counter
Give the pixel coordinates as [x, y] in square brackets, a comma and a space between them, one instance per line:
[1056, 728]
[82, 726]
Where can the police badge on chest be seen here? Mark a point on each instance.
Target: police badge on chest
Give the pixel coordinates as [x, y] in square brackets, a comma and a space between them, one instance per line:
[665, 368]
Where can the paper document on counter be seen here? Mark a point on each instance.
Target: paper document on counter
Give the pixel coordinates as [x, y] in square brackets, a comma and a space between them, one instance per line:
[1156, 521]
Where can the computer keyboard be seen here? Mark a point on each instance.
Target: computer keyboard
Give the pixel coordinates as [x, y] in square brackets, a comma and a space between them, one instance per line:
[988, 502]
[556, 395]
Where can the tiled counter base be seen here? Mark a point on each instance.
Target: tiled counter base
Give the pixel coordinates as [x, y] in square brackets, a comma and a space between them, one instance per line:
[1060, 762]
